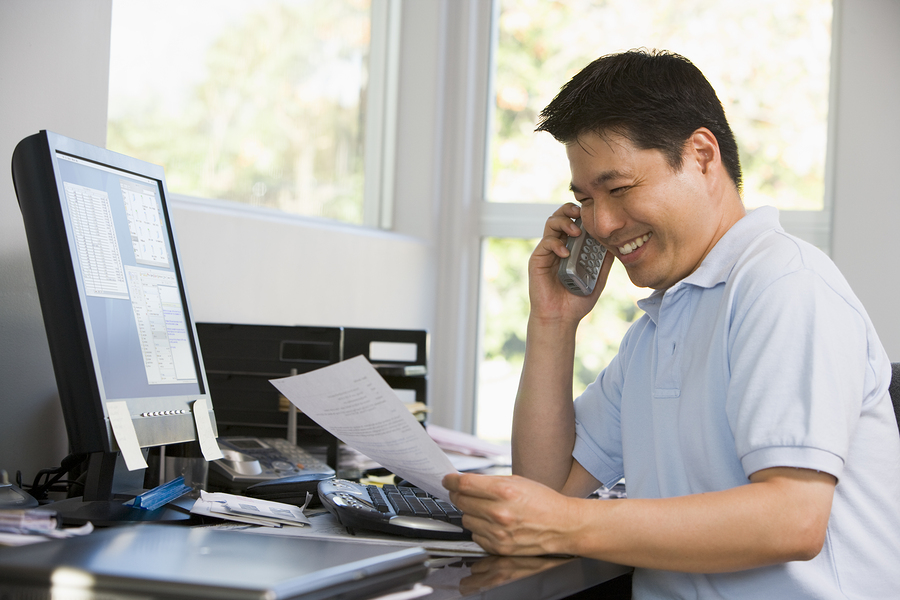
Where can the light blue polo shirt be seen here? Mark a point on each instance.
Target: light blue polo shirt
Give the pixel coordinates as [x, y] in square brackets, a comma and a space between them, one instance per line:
[763, 357]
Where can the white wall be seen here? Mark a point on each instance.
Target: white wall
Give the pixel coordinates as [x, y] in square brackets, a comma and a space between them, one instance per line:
[54, 69]
[53, 75]
[866, 225]
[296, 271]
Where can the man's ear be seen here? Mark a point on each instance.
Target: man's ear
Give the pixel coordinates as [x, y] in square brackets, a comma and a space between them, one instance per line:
[703, 147]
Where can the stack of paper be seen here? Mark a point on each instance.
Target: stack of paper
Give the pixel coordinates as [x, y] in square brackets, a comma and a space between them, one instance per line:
[250, 510]
[451, 440]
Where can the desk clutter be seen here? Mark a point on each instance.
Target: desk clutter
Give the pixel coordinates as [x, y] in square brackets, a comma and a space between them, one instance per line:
[265, 492]
[246, 547]
[271, 481]
[240, 359]
[271, 484]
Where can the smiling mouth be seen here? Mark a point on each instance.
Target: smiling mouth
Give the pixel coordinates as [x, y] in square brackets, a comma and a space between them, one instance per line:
[634, 244]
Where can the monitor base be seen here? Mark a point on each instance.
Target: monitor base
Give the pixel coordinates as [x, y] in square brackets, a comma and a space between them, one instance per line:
[108, 513]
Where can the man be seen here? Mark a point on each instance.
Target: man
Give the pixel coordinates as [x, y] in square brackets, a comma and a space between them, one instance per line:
[747, 409]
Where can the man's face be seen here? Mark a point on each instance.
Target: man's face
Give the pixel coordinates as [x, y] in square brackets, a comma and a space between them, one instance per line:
[660, 223]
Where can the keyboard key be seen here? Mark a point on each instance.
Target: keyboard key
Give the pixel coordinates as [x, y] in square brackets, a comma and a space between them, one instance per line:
[434, 509]
[413, 501]
[400, 505]
[416, 505]
[453, 514]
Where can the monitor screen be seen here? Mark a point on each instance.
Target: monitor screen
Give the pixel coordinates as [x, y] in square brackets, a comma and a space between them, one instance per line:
[123, 260]
[115, 307]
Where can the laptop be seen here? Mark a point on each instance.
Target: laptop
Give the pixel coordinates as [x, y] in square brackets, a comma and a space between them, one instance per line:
[169, 561]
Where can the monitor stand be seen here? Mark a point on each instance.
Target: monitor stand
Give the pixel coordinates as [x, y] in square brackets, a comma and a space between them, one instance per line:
[108, 513]
[108, 486]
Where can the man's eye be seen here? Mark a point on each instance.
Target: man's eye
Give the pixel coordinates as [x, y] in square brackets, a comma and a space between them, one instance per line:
[619, 190]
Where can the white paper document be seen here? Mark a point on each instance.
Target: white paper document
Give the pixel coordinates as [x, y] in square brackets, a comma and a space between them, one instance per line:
[355, 404]
[323, 525]
[249, 510]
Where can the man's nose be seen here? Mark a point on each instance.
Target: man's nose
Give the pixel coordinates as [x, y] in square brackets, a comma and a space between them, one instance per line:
[603, 220]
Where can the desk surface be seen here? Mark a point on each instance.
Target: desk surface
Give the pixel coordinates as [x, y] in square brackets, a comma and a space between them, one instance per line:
[516, 578]
[162, 559]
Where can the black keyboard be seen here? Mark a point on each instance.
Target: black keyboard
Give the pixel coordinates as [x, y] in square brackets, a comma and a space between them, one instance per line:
[401, 510]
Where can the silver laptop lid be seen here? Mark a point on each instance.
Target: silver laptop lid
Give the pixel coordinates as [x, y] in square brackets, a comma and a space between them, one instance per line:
[163, 561]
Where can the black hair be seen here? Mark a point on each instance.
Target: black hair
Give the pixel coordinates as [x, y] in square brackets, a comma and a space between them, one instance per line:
[655, 99]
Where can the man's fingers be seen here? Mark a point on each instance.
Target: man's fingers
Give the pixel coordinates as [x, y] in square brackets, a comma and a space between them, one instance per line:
[469, 484]
[561, 221]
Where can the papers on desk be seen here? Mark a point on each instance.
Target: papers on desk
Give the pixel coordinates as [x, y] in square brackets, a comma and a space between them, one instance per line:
[20, 527]
[324, 526]
[250, 510]
[469, 445]
[354, 403]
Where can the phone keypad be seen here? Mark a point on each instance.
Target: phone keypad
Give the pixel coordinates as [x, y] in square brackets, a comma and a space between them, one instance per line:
[590, 259]
[295, 455]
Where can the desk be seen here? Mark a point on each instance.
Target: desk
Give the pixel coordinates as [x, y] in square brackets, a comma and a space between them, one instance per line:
[160, 561]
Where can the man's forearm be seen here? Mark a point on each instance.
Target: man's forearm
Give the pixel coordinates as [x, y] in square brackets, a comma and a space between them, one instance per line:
[543, 433]
[780, 517]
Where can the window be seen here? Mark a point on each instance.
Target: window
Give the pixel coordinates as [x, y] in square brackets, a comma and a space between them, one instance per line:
[769, 62]
[263, 103]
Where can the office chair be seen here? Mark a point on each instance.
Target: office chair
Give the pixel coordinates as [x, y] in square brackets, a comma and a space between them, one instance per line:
[894, 390]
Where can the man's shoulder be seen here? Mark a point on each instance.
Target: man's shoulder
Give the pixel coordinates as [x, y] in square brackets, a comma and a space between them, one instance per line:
[778, 267]
[775, 254]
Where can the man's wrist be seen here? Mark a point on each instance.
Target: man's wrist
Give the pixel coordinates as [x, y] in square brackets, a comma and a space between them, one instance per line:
[555, 324]
[582, 539]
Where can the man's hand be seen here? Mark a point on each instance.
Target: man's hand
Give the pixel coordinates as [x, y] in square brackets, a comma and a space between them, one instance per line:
[511, 515]
[550, 300]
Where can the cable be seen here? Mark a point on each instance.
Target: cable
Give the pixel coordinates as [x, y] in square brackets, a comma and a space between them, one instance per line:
[54, 476]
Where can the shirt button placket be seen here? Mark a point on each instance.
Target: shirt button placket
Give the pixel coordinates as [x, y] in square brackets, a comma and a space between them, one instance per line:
[671, 327]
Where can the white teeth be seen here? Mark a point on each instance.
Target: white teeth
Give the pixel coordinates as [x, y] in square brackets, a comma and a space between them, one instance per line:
[633, 245]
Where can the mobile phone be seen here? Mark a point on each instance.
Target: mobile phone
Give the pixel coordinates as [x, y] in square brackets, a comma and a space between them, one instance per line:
[579, 271]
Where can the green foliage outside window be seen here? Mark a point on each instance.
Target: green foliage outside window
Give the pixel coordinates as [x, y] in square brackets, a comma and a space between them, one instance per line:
[769, 61]
[274, 118]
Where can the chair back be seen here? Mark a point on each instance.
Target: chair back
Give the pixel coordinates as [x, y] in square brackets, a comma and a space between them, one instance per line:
[895, 389]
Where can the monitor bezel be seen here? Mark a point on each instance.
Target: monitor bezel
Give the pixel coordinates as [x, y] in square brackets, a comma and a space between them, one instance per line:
[41, 193]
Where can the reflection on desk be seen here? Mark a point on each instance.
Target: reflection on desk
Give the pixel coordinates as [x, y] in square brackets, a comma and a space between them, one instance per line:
[517, 577]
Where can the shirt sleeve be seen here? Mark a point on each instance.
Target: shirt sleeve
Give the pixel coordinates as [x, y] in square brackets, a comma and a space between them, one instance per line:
[797, 354]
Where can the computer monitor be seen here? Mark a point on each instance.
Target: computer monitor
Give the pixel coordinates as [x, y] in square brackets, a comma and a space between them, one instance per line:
[115, 307]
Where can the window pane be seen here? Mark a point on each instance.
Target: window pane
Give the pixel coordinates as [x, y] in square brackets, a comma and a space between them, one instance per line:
[255, 102]
[769, 61]
[504, 315]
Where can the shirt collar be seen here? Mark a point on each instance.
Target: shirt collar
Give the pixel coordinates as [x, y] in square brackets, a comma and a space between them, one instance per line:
[720, 261]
